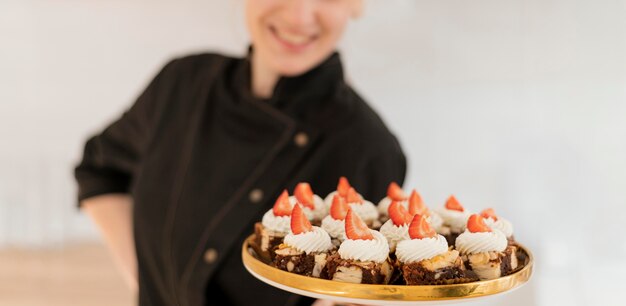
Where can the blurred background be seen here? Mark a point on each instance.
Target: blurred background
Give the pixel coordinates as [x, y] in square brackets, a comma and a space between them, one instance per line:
[515, 104]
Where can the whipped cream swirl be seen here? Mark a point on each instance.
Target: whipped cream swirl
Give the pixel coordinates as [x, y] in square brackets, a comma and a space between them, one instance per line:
[317, 240]
[435, 221]
[376, 250]
[456, 220]
[335, 228]
[473, 243]
[383, 206]
[366, 210]
[276, 224]
[502, 225]
[414, 250]
[318, 213]
[394, 234]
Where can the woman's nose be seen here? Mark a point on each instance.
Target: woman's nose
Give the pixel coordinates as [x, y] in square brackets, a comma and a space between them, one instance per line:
[300, 12]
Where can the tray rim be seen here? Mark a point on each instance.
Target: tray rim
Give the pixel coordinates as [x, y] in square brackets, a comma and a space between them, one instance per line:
[327, 288]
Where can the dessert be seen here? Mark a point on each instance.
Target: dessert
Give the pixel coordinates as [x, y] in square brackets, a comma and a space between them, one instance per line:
[498, 223]
[334, 224]
[425, 258]
[274, 226]
[396, 228]
[306, 249]
[342, 190]
[365, 209]
[312, 204]
[485, 250]
[394, 193]
[417, 206]
[363, 258]
[454, 218]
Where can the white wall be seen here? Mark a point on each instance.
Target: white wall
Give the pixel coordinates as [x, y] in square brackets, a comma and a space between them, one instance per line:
[514, 104]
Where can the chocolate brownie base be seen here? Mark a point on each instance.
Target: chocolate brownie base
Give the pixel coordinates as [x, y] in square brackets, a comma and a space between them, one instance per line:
[291, 260]
[490, 265]
[265, 243]
[359, 272]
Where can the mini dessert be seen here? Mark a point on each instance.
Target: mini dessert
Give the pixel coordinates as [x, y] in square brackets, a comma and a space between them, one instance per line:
[485, 251]
[394, 193]
[396, 228]
[417, 206]
[454, 218]
[365, 209]
[305, 250]
[363, 258]
[334, 224]
[274, 226]
[313, 205]
[498, 223]
[425, 259]
[342, 190]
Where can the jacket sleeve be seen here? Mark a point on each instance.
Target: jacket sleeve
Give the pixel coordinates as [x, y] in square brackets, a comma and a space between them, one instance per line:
[111, 157]
[376, 173]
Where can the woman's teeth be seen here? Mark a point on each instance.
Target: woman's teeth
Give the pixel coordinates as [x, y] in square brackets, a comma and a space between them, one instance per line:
[293, 38]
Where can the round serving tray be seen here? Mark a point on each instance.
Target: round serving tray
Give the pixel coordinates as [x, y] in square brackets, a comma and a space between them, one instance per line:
[382, 294]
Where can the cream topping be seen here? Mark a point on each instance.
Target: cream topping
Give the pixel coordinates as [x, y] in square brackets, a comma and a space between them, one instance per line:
[414, 250]
[435, 221]
[318, 213]
[473, 243]
[376, 250]
[502, 225]
[276, 224]
[394, 234]
[367, 211]
[456, 220]
[316, 240]
[335, 228]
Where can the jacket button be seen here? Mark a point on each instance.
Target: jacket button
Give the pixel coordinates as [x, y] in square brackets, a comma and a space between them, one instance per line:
[210, 256]
[256, 195]
[301, 139]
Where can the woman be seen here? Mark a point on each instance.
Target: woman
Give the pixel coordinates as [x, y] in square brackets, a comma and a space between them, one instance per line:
[176, 183]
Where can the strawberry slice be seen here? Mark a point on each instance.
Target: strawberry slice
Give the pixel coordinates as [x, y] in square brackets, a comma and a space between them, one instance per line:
[343, 186]
[353, 197]
[355, 227]
[339, 208]
[476, 224]
[304, 195]
[416, 204]
[398, 214]
[282, 207]
[489, 213]
[395, 192]
[453, 204]
[299, 223]
[420, 228]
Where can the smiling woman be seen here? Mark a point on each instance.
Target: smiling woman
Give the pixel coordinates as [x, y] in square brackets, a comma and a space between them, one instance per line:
[291, 37]
[213, 140]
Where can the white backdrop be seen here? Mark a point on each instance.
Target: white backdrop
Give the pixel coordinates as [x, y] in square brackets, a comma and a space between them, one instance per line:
[514, 104]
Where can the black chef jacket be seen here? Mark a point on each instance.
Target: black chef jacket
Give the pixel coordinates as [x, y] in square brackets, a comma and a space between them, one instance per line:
[203, 160]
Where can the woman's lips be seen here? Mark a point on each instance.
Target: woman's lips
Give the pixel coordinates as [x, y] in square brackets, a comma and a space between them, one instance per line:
[292, 42]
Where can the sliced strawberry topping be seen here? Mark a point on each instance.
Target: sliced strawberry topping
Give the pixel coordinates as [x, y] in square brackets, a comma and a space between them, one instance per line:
[339, 208]
[353, 197]
[355, 227]
[398, 214]
[416, 204]
[304, 195]
[343, 186]
[395, 192]
[489, 213]
[299, 223]
[420, 228]
[282, 207]
[476, 224]
[453, 204]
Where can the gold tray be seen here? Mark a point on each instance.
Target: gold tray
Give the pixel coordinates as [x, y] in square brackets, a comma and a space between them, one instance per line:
[382, 294]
